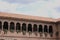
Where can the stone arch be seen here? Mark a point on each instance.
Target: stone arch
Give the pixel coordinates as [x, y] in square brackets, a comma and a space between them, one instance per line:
[24, 27]
[50, 29]
[12, 26]
[34, 28]
[18, 28]
[30, 27]
[5, 26]
[45, 28]
[40, 29]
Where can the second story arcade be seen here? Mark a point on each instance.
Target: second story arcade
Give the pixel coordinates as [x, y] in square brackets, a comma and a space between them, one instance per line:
[27, 24]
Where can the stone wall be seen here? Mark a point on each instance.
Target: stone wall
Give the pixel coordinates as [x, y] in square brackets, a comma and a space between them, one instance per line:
[20, 36]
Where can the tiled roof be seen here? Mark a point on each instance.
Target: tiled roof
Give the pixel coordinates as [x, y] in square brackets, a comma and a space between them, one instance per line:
[58, 19]
[20, 16]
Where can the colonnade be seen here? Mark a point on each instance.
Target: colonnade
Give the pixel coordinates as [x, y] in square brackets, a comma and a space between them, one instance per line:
[30, 28]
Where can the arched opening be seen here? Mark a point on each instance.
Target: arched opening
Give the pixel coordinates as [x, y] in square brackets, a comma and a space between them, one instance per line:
[18, 27]
[23, 27]
[51, 30]
[40, 28]
[5, 26]
[0, 25]
[45, 28]
[29, 27]
[57, 34]
[34, 28]
[12, 26]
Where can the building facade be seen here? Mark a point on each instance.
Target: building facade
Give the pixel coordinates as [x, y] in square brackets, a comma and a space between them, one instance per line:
[23, 27]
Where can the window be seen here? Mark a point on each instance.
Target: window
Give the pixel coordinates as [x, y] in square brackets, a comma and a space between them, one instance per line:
[29, 27]
[18, 27]
[23, 27]
[45, 28]
[40, 28]
[50, 29]
[0, 25]
[57, 33]
[34, 28]
[12, 26]
[5, 26]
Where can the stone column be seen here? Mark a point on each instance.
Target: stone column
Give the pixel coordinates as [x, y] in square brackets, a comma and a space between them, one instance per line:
[2, 26]
[26, 27]
[8, 26]
[20, 27]
[47, 30]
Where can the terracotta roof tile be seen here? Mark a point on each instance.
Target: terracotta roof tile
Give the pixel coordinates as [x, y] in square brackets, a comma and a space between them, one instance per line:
[4, 14]
[58, 19]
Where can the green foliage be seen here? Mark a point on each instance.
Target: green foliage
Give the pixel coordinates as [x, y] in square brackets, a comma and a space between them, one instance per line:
[5, 31]
[24, 32]
[17, 31]
[12, 30]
